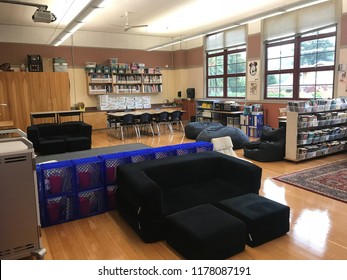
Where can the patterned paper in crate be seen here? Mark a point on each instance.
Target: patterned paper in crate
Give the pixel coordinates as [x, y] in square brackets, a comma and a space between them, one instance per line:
[56, 178]
[59, 209]
[88, 173]
[110, 164]
[91, 202]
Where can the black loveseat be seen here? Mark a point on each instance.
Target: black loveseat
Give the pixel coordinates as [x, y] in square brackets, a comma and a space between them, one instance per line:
[149, 191]
[54, 138]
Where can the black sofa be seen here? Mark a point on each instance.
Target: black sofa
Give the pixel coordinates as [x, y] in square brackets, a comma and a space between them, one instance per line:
[54, 138]
[149, 191]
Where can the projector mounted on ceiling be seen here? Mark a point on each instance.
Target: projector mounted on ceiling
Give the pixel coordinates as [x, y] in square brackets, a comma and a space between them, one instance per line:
[43, 16]
[40, 15]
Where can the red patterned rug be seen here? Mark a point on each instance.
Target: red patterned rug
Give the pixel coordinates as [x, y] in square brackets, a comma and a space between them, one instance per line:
[329, 180]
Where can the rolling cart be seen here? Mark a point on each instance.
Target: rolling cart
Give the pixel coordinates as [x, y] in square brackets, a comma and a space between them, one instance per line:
[20, 228]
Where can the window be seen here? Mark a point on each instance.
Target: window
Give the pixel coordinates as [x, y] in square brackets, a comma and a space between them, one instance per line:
[226, 63]
[301, 67]
[226, 73]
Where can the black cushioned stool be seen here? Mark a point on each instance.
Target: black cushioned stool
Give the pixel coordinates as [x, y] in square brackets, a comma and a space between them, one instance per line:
[266, 219]
[205, 232]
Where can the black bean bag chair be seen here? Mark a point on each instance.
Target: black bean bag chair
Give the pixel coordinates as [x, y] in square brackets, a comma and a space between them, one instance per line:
[270, 147]
[193, 129]
[238, 137]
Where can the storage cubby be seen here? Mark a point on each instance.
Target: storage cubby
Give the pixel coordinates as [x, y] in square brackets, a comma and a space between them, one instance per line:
[91, 202]
[56, 179]
[110, 164]
[164, 152]
[204, 110]
[58, 210]
[111, 192]
[88, 173]
[252, 123]
[141, 155]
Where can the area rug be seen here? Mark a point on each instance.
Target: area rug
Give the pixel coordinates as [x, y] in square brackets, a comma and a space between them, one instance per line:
[329, 180]
[91, 152]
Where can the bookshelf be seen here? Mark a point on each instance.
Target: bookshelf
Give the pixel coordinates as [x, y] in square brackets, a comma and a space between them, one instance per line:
[252, 123]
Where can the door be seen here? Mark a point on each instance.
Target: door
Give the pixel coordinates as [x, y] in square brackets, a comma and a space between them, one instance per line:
[5, 114]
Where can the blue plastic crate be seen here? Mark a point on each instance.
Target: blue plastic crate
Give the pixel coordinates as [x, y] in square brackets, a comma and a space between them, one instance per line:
[111, 192]
[59, 209]
[90, 203]
[110, 164]
[40, 189]
[203, 146]
[89, 173]
[184, 149]
[141, 155]
[56, 178]
[164, 152]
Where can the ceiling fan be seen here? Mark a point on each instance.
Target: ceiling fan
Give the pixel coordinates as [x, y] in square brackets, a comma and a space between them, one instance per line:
[127, 26]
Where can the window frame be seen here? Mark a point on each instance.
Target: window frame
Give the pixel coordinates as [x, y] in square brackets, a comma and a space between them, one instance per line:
[225, 53]
[297, 69]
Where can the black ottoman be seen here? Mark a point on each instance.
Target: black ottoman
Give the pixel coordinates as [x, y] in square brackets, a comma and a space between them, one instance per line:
[192, 129]
[205, 232]
[266, 219]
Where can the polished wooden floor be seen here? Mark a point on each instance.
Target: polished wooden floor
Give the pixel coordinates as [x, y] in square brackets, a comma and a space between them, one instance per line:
[318, 224]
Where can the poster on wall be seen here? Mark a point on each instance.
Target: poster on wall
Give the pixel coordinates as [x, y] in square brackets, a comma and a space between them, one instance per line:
[253, 70]
[253, 77]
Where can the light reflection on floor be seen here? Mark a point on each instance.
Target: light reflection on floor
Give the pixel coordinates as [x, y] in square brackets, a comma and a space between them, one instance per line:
[312, 228]
[309, 226]
[272, 191]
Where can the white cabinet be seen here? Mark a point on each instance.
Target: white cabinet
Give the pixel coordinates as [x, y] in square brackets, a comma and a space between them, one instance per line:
[19, 213]
[315, 133]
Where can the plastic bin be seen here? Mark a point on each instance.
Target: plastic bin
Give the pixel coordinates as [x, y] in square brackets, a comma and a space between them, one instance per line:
[164, 152]
[110, 164]
[90, 202]
[141, 155]
[56, 178]
[88, 173]
[58, 210]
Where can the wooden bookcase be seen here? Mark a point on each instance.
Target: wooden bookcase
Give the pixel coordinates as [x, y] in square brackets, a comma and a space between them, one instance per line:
[124, 83]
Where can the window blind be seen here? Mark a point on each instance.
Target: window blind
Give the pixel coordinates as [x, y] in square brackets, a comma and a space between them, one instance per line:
[226, 39]
[300, 21]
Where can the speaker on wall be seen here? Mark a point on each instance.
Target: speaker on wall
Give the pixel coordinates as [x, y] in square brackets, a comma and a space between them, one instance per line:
[179, 94]
[191, 93]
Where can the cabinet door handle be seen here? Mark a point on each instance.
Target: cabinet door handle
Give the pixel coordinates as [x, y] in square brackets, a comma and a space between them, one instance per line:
[3, 104]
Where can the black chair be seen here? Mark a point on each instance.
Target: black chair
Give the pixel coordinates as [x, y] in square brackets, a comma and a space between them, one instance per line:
[175, 119]
[163, 118]
[111, 125]
[128, 120]
[144, 121]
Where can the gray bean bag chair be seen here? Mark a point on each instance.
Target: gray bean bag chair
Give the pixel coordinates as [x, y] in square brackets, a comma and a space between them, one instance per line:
[238, 137]
[270, 146]
[193, 129]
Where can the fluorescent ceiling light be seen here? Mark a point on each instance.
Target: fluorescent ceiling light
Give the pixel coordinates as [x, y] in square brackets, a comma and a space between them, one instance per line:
[270, 13]
[83, 16]
[290, 9]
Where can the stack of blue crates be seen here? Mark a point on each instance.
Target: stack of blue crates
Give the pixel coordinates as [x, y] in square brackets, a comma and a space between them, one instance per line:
[89, 186]
[110, 164]
[84, 187]
[56, 192]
